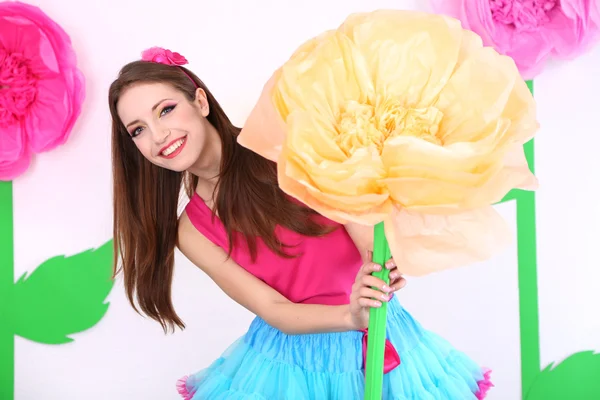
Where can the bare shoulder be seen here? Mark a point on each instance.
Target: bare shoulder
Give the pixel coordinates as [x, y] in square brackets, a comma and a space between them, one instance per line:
[185, 231]
[185, 227]
[362, 236]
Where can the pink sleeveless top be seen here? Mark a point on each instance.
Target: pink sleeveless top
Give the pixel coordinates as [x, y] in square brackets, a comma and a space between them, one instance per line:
[323, 274]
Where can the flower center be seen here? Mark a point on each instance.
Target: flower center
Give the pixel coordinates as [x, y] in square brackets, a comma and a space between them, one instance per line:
[361, 125]
[524, 15]
[18, 87]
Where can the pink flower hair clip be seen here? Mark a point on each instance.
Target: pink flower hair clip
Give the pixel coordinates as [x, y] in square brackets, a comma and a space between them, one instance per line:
[163, 56]
[166, 57]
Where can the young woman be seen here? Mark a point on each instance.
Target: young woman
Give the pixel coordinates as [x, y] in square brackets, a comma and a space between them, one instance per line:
[301, 274]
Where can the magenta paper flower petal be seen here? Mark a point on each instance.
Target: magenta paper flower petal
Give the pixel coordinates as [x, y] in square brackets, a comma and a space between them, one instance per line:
[13, 140]
[39, 82]
[14, 156]
[575, 9]
[595, 13]
[531, 52]
[567, 36]
[529, 31]
[12, 170]
[47, 116]
[588, 12]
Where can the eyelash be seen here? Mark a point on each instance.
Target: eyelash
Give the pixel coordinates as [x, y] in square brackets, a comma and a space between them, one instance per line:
[137, 130]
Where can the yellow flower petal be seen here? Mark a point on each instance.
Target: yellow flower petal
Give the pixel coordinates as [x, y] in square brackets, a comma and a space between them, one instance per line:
[434, 177]
[410, 55]
[470, 43]
[368, 209]
[413, 151]
[422, 244]
[468, 114]
[352, 181]
[314, 137]
[515, 173]
[521, 111]
[338, 67]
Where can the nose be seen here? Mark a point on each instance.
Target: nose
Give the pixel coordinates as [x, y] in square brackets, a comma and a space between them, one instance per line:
[161, 135]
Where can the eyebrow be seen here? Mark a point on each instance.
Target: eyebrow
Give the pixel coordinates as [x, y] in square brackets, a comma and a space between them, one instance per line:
[153, 108]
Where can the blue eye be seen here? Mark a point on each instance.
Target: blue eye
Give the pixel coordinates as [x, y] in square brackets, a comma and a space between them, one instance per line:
[166, 110]
[136, 131]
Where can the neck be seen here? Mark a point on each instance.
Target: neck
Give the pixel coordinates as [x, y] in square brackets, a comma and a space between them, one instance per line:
[208, 166]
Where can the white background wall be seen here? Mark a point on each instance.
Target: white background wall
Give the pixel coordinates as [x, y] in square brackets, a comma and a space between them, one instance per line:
[63, 206]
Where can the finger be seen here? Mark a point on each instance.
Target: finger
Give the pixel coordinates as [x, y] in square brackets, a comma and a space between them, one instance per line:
[373, 294]
[399, 284]
[390, 264]
[371, 281]
[395, 277]
[367, 269]
[395, 274]
[365, 302]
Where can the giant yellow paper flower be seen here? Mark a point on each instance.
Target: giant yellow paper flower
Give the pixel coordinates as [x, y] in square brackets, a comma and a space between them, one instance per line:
[402, 117]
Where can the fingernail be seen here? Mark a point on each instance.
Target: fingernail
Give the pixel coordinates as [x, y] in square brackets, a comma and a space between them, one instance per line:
[385, 297]
[393, 275]
[386, 288]
[389, 265]
[376, 304]
[377, 267]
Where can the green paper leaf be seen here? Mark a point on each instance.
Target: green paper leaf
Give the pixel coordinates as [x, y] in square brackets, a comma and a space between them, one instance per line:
[574, 378]
[63, 296]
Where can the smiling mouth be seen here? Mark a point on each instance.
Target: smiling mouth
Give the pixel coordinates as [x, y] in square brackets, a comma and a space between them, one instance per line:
[173, 148]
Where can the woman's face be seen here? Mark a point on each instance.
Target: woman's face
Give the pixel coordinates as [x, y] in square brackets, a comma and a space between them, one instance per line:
[168, 129]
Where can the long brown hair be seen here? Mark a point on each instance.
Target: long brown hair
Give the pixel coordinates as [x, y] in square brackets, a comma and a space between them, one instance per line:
[146, 198]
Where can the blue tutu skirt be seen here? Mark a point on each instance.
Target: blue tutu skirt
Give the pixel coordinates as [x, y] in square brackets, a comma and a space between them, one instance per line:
[266, 364]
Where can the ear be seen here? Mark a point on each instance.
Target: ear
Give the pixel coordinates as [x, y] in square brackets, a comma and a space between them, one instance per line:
[202, 101]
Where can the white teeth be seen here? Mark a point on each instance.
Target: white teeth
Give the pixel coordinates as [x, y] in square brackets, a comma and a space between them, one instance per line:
[172, 147]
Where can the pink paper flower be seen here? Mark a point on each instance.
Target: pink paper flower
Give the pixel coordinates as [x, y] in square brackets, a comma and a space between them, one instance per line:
[574, 8]
[163, 56]
[595, 12]
[41, 89]
[529, 31]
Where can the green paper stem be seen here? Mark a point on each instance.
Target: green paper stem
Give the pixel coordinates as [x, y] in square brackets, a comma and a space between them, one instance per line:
[527, 272]
[528, 287]
[377, 322]
[7, 340]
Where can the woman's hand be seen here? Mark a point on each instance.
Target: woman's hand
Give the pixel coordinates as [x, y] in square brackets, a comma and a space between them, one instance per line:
[364, 296]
